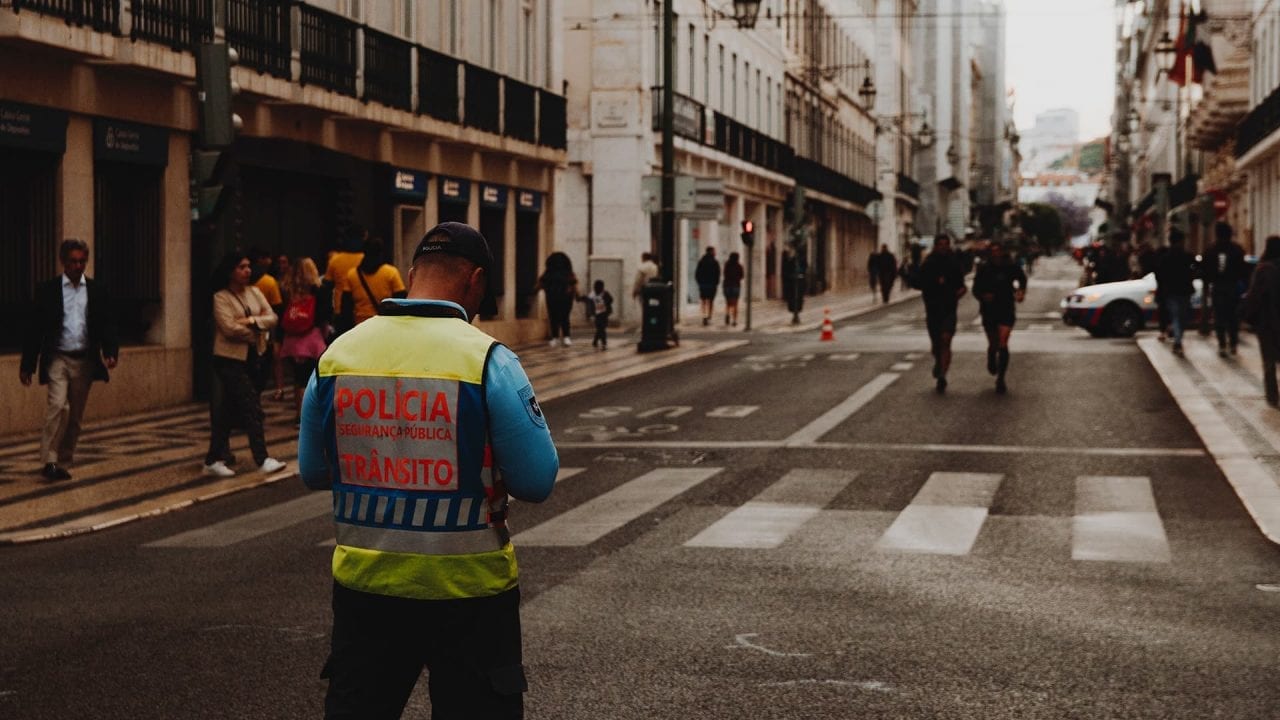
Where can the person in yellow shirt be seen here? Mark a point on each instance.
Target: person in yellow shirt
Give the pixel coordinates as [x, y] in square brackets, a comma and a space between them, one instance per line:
[341, 262]
[269, 286]
[369, 283]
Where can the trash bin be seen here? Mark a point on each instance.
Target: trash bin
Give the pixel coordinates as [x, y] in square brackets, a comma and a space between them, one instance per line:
[655, 318]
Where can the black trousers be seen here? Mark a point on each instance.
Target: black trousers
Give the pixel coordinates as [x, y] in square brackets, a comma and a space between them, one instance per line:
[558, 311]
[238, 401]
[1226, 318]
[469, 647]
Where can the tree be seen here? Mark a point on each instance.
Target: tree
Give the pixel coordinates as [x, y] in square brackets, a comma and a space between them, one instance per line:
[1075, 218]
[1042, 222]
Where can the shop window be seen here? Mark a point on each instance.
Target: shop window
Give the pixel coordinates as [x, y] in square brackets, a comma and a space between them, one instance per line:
[526, 262]
[127, 209]
[28, 245]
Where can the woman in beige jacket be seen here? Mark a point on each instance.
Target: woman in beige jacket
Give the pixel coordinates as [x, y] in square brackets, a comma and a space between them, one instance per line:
[243, 321]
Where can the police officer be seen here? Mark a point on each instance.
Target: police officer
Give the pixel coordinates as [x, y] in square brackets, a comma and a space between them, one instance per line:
[422, 425]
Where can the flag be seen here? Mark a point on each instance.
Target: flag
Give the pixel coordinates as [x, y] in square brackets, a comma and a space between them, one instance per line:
[1201, 53]
[1178, 74]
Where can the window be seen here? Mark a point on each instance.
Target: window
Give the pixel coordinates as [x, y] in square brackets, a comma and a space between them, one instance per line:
[693, 42]
[706, 69]
[722, 76]
[406, 19]
[493, 36]
[746, 92]
[354, 7]
[526, 17]
[757, 115]
[451, 29]
[733, 83]
[768, 106]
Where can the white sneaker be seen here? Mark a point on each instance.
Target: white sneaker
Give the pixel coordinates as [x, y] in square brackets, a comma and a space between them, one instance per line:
[554, 342]
[271, 465]
[568, 342]
[219, 469]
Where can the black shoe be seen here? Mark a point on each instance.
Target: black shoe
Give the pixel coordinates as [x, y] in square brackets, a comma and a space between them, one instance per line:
[942, 384]
[52, 472]
[1177, 349]
[1222, 352]
[1001, 388]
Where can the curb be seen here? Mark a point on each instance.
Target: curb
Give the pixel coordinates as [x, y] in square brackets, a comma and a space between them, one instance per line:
[1252, 482]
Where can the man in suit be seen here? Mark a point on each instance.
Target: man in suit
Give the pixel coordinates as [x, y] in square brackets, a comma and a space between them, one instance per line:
[72, 336]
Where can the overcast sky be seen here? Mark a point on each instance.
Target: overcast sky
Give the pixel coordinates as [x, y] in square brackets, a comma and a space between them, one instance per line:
[1061, 53]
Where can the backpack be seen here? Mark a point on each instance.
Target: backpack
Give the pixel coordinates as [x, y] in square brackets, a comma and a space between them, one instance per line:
[300, 315]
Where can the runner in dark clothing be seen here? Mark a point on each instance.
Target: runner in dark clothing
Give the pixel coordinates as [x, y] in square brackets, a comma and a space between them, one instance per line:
[941, 282]
[999, 286]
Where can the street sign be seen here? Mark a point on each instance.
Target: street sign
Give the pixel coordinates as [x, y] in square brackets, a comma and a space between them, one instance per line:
[694, 196]
[708, 198]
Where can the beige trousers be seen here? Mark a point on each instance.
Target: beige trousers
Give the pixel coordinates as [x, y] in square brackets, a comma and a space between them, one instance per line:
[69, 382]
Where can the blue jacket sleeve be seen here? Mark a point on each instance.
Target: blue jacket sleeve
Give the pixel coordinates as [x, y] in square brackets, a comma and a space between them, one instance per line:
[317, 457]
[523, 453]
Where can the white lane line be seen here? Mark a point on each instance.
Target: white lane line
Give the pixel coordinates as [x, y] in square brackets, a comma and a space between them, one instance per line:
[254, 524]
[894, 447]
[568, 472]
[1254, 484]
[592, 520]
[769, 518]
[828, 421]
[1040, 327]
[898, 329]
[901, 366]
[945, 517]
[1116, 521]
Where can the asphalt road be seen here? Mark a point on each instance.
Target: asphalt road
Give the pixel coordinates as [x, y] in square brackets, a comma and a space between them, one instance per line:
[791, 529]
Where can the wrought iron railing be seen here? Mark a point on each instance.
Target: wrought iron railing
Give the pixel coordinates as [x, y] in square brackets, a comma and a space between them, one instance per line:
[1259, 123]
[908, 186]
[689, 117]
[387, 76]
[328, 50]
[751, 145]
[520, 117]
[481, 102]
[552, 120]
[813, 174]
[179, 24]
[101, 15]
[259, 31]
[438, 85]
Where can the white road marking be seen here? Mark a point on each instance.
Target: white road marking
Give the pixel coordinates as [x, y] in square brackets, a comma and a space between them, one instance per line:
[843, 357]
[732, 411]
[592, 520]
[901, 366]
[945, 516]
[912, 356]
[828, 421]
[567, 472]
[744, 641]
[1040, 327]
[1116, 520]
[254, 524]
[897, 447]
[769, 518]
[875, 685]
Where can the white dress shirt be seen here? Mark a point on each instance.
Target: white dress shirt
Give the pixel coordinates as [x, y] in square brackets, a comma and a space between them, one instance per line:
[75, 316]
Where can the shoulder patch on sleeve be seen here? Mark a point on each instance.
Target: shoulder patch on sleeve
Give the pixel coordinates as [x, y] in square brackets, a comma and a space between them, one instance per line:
[531, 406]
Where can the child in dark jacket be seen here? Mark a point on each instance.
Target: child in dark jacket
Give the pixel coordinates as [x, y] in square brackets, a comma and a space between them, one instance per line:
[600, 306]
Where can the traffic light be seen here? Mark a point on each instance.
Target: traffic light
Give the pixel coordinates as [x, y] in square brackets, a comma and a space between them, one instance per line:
[214, 91]
[748, 233]
[208, 170]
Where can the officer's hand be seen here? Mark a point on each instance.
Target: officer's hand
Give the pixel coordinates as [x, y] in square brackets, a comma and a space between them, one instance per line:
[25, 377]
[110, 362]
[1020, 295]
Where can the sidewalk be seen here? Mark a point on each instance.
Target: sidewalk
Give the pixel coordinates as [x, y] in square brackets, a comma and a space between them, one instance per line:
[143, 465]
[1223, 400]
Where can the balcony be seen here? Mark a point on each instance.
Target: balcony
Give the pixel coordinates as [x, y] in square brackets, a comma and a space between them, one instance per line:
[1262, 121]
[689, 117]
[300, 43]
[815, 175]
[744, 143]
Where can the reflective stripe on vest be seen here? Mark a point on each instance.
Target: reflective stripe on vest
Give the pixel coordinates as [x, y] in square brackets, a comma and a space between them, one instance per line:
[414, 506]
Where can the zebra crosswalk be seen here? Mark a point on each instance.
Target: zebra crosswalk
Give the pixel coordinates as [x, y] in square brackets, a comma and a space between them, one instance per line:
[1115, 518]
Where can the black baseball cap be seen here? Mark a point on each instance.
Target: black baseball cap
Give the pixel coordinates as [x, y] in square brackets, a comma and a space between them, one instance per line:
[455, 238]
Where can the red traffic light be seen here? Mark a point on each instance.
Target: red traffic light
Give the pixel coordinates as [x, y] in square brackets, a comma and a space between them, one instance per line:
[747, 226]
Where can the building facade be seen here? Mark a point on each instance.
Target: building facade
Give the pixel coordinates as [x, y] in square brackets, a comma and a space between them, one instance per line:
[1257, 141]
[388, 115]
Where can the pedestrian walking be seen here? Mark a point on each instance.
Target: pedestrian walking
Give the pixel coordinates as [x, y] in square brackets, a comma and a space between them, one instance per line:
[369, 283]
[887, 267]
[1173, 281]
[560, 285]
[1223, 273]
[303, 323]
[941, 282]
[1262, 311]
[600, 307]
[648, 270]
[733, 274]
[707, 276]
[70, 341]
[242, 324]
[442, 595]
[999, 285]
[348, 255]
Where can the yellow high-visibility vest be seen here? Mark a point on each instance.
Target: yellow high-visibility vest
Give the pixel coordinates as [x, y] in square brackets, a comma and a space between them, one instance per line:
[417, 511]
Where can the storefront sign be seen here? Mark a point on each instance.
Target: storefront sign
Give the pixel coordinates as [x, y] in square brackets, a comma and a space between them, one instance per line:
[493, 196]
[453, 190]
[408, 184]
[528, 201]
[119, 141]
[33, 128]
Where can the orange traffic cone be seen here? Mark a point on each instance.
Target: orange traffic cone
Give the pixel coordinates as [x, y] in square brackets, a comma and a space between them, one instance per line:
[828, 330]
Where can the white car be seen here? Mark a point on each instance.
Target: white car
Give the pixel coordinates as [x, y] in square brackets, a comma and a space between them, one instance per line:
[1118, 309]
